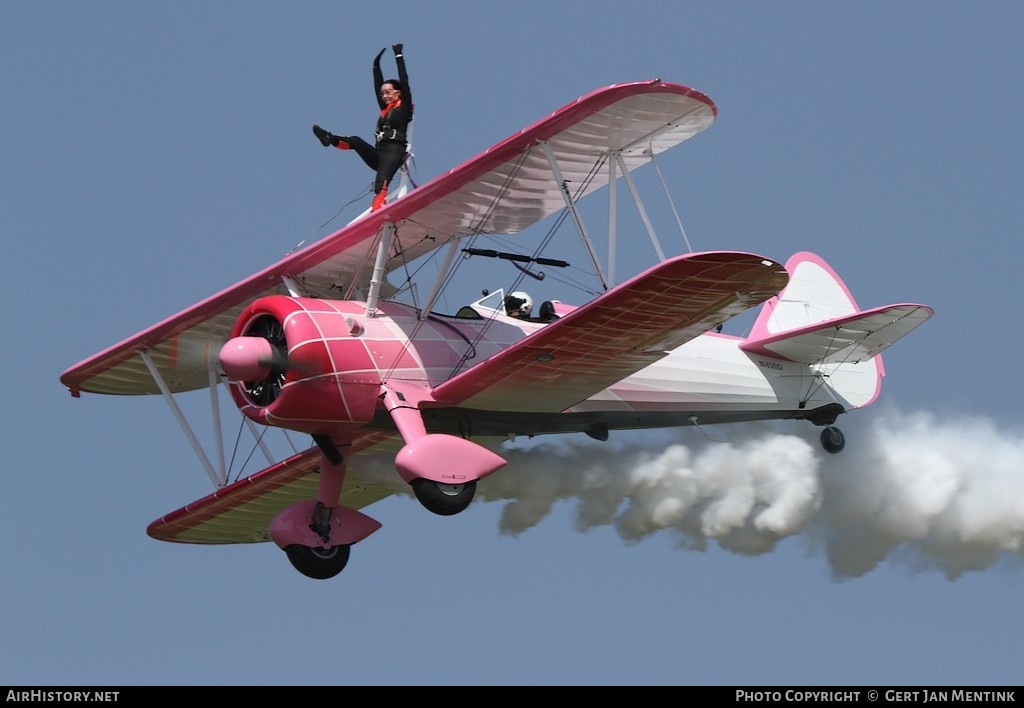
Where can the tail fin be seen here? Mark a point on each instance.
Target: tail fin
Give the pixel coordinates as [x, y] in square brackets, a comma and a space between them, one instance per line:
[815, 321]
[815, 293]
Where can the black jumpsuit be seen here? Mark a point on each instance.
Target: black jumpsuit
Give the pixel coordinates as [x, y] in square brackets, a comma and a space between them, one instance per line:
[388, 151]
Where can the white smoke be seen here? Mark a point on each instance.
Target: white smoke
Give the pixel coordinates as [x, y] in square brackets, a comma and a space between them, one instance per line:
[947, 496]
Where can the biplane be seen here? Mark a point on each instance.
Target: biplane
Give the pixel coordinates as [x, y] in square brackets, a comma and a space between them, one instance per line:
[339, 343]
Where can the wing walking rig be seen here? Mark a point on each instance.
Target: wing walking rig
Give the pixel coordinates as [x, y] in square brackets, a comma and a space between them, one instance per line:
[317, 344]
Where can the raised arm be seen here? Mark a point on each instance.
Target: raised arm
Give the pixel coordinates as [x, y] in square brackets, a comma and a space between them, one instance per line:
[403, 76]
[378, 78]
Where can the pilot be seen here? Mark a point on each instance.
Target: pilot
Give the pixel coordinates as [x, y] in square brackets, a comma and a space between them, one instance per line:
[519, 304]
[388, 154]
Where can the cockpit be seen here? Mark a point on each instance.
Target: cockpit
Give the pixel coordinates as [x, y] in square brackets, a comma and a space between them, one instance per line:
[517, 305]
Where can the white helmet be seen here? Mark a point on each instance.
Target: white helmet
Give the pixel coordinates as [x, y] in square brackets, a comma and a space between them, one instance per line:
[520, 298]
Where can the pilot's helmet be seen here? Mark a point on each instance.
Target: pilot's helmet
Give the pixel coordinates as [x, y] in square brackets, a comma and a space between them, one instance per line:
[519, 304]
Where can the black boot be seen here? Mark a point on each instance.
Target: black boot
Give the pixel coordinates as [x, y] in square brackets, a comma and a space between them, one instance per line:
[324, 137]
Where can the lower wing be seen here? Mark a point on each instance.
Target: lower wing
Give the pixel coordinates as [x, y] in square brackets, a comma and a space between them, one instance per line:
[242, 512]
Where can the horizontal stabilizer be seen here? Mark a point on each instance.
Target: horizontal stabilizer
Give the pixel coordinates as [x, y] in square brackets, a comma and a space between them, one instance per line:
[848, 339]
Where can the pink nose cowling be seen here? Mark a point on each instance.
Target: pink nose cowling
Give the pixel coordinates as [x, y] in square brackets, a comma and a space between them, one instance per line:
[246, 358]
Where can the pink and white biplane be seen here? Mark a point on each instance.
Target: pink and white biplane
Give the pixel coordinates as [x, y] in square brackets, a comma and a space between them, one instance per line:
[323, 343]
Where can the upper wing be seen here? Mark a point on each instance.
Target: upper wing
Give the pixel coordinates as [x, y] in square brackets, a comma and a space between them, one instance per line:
[242, 512]
[617, 334]
[852, 338]
[502, 190]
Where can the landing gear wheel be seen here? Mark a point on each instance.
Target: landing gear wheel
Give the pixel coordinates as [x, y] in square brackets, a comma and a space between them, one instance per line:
[443, 499]
[833, 440]
[318, 563]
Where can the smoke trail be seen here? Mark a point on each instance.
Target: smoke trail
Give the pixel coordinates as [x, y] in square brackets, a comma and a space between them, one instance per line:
[947, 496]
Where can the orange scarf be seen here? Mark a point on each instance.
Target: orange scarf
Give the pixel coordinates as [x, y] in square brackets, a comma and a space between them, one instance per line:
[394, 104]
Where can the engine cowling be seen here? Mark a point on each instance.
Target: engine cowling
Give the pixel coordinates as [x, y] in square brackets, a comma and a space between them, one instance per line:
[299, 363]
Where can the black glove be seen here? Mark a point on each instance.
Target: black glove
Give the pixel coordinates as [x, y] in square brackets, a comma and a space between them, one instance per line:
[397, 48]
[376, 60]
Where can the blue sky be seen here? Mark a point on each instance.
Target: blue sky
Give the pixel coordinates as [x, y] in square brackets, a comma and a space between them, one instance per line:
[153, 154]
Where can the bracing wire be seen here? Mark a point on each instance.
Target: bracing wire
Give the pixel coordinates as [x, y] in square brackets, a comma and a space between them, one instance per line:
[343, 207]
[671, 204]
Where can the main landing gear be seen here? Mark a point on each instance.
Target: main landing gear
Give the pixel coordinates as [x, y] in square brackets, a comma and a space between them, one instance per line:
[443, 499]
[317, 534]
[442, 469]
[318, 563]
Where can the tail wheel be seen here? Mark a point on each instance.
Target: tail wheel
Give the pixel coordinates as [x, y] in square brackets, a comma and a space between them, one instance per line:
[318, 563]
[833, 440]
[443, 499]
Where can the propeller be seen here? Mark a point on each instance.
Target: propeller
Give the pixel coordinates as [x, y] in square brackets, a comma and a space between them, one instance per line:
[259, 359]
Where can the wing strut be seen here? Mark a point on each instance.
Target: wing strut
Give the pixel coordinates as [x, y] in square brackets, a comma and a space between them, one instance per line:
[442, 273]
[612, 221]
[290, 284]
[640, 207]
[664, 187]
[218, 434]
[200, 453]
[219, 480]
[383, 248]
[571, 206]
